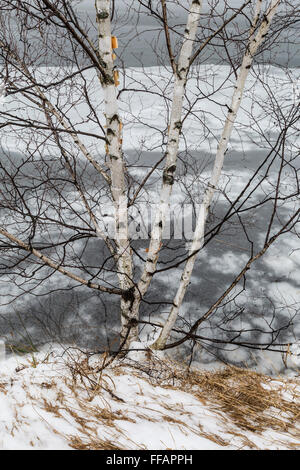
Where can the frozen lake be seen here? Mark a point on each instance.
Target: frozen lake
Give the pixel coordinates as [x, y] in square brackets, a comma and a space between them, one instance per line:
[271, 300]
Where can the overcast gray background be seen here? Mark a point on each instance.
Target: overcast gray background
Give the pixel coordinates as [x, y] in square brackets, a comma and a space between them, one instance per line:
[142, 42]
[140, 52]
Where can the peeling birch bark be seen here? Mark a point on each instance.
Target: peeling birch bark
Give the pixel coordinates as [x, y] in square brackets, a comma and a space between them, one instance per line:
[129, 326]
[255, 41]
[181, 74]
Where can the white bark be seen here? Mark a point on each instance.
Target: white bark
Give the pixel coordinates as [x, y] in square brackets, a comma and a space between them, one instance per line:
[182, 70]
[2, 93]
[117, 171]
[254, 42]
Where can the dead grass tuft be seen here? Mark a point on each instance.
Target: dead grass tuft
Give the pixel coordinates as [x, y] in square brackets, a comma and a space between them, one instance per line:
[3, 387]
[248, 398]
[254, 402]
[79, 443]
[51, 408]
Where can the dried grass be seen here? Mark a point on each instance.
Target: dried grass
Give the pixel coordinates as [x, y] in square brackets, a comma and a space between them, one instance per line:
[245, 401]
[248, 399]
[79, 443]
[252, 401]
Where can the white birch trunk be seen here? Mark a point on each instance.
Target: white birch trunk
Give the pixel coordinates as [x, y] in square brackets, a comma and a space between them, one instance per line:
[118, 184]
[254, 42]
[182, 70]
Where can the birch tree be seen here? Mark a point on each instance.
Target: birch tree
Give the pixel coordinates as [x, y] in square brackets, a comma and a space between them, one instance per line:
[71, 104]
[255, 40]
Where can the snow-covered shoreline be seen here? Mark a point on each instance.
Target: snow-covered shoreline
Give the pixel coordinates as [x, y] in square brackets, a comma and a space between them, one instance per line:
[54, 400]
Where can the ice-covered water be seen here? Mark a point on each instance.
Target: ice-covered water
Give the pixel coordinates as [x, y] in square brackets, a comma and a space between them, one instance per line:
[272, 296]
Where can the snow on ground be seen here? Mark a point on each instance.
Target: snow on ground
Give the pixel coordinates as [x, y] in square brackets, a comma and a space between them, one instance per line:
[55, 400]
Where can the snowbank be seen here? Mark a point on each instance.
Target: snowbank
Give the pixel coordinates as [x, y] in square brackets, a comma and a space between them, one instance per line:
[63, 399]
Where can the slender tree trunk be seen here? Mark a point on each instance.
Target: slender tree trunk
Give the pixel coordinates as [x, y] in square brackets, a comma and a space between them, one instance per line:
[129, 326]
[182, 69]
[254, 42]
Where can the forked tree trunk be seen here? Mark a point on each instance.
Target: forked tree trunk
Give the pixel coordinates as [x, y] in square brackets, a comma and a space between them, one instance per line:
[255, 41]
